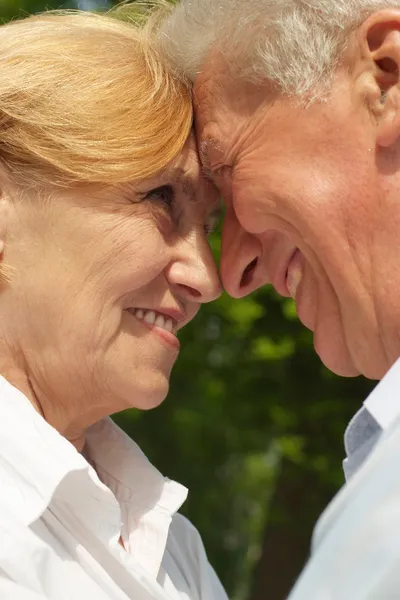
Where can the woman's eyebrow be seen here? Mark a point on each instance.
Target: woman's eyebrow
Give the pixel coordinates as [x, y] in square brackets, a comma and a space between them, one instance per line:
[185, 181]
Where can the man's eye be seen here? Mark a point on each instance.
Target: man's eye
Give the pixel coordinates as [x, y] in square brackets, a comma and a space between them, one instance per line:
[164, 194]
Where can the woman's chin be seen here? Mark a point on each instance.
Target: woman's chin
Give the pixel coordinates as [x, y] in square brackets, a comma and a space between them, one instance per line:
[149, 402]
[149, 394]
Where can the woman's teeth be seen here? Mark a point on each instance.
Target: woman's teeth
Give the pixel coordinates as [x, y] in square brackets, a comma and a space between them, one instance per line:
[156, 319]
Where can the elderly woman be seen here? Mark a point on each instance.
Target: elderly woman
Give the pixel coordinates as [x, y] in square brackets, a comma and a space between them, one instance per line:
[104, 257]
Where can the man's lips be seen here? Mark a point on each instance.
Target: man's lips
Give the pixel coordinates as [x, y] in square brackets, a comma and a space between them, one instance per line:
[288, 279]
[302, 290]
[279, 272]
[294, 273]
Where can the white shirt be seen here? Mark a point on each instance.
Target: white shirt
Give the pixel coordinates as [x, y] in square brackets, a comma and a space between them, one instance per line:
[60, 521]
[356, 542]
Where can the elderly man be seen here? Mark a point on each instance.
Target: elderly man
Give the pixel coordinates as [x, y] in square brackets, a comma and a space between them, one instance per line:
[298, 121]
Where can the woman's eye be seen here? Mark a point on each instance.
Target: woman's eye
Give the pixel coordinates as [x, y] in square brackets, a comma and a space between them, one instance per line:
[164, 194]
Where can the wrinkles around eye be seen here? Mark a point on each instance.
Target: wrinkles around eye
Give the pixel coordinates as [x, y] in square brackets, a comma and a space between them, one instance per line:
[221, 178]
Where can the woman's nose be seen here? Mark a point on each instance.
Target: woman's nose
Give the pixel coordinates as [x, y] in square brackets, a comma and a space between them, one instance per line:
[194, 271]
[240, 258]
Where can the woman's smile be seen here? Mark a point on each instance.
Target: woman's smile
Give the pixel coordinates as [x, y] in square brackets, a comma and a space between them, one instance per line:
[163, 325]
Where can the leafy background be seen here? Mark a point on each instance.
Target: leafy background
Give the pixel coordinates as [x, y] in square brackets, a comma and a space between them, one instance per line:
[253, 426]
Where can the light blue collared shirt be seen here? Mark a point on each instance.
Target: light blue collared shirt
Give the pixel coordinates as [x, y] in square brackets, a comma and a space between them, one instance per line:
[356, 542]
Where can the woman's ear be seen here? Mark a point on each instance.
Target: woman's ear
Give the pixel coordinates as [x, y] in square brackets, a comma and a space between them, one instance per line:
[380, 36]
[6, 271]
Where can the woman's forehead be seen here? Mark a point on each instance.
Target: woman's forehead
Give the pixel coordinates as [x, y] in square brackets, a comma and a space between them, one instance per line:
[188, 159]
[185, 169]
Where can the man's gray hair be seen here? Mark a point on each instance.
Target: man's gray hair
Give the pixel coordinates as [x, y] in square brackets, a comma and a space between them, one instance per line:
[295, 44]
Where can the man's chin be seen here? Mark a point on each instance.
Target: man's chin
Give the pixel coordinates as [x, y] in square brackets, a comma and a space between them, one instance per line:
[341, 369]
[334, 353]
[337, 360]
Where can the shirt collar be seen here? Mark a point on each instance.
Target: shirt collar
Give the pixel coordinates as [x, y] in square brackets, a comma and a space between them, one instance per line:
[384, 401]
[147, 499]
[379, 411]
[40, 468]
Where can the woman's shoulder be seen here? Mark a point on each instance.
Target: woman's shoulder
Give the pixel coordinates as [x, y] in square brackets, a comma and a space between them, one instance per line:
[186, 534]
[186, 553]
[21, 548]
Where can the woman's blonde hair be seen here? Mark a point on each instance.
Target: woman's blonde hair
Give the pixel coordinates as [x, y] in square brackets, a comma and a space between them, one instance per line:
[86, 98]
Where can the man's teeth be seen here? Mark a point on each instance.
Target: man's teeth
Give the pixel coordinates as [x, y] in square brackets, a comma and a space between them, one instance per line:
[293, 279]
[156, 319]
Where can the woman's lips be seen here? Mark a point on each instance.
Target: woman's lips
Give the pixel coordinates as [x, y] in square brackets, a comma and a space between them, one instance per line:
[294, 273]
[161, 324]
[171, 339]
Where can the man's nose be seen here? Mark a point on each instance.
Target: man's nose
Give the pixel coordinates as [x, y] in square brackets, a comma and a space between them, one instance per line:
[240, 258]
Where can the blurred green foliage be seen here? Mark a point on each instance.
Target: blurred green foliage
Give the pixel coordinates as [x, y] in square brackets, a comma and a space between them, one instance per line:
[10, 9]
[253, 426]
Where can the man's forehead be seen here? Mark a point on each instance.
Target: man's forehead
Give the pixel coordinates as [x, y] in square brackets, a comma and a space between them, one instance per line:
[215, 73]
[225, 105]
[210, 88]
[209, 106]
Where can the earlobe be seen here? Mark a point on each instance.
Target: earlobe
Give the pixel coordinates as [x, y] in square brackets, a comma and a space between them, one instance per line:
[389, 122]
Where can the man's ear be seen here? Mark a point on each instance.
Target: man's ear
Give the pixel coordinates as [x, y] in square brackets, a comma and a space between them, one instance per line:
[380, 34]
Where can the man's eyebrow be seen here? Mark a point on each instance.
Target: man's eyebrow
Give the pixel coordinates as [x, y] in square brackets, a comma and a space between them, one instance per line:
[205, 157]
